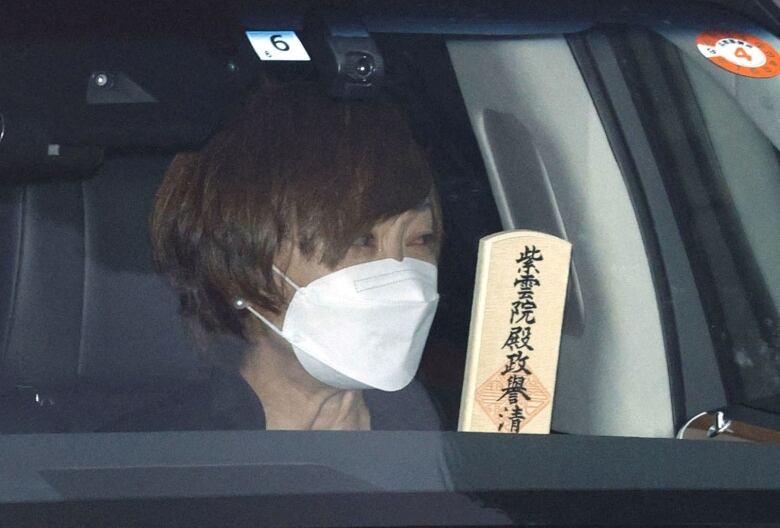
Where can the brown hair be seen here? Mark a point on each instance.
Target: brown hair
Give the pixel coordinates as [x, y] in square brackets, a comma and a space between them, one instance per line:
[292, 164]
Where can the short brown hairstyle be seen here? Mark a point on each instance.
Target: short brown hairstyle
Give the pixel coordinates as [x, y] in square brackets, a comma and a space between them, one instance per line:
[292, 164]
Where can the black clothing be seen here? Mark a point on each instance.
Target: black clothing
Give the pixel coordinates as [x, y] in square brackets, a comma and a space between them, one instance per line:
[226, 402]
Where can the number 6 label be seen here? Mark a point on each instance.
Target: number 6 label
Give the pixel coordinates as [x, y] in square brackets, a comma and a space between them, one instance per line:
[277, 46]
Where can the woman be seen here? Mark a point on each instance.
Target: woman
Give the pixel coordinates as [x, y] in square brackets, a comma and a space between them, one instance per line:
[310, 229]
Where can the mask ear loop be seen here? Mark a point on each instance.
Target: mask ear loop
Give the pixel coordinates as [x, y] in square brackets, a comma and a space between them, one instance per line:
[285, 277]
[239, 303]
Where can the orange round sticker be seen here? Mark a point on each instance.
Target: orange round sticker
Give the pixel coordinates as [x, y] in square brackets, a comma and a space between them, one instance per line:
[740, 53]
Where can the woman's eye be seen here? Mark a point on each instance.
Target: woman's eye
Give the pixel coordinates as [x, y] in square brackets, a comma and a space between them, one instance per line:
[364, 241]
[424, 240]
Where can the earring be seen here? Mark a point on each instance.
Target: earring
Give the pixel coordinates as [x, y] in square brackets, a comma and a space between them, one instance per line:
[239, 303]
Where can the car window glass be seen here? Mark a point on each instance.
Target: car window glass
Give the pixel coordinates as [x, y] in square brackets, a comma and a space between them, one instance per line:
[723, 177]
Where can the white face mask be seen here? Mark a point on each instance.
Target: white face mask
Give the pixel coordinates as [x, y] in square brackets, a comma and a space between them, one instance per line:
[364, 326]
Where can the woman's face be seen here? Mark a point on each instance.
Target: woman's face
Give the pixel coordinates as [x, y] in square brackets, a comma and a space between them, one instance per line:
[408, 235]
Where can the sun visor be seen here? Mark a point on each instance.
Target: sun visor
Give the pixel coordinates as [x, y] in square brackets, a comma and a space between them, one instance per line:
[64, 101]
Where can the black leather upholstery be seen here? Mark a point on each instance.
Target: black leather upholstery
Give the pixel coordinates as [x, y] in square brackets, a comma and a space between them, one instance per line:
[10, 225]
[131, 331]
[80, 303]
[42, 343]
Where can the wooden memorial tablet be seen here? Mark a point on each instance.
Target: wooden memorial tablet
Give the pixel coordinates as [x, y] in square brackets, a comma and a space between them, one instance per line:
[515, 333]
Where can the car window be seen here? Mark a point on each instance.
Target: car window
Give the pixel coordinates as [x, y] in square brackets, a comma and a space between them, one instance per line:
[721, 172]
[507, 156]
[115, 348]
[615, 132]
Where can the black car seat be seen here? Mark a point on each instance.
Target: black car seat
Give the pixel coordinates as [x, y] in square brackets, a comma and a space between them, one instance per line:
[89, 332]
[84, 319]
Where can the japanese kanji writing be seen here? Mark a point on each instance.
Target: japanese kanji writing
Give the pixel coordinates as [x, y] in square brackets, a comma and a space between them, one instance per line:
[522, 318]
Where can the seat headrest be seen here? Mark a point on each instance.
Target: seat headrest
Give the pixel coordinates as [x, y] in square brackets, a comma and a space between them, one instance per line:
[79, 298]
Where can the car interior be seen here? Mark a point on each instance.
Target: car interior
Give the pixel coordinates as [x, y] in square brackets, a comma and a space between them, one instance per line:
[89, 325]
[604, 126]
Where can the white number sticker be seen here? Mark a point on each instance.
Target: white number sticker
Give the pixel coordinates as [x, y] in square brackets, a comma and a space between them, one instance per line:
[735, 51]
[277, 45]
